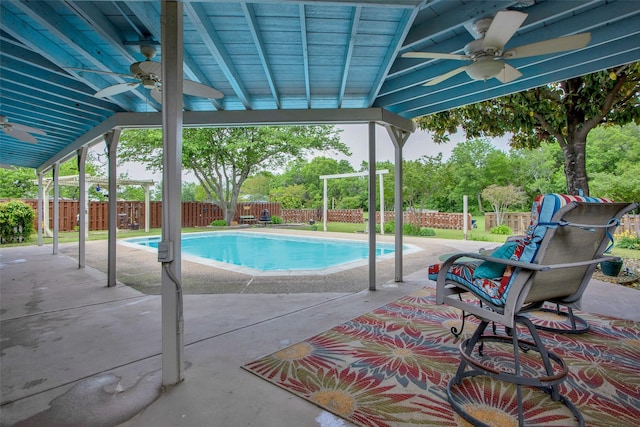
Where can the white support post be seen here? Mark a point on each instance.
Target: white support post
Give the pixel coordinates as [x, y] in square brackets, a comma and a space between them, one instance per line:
[398, 137]
[324, 206]
[82, 212]
[46, 215]
[56, 206]
[40, 208]
[372, 206]
[111, 140]
[381, 205]
[465, 211]
[147, 209]
[172, 117]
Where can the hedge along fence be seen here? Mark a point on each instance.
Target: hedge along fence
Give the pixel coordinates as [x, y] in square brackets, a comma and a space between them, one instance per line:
[131, 214]
[519, 221]
[442, 220]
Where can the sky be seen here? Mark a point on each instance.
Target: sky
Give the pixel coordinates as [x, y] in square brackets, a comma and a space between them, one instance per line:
[356, 137]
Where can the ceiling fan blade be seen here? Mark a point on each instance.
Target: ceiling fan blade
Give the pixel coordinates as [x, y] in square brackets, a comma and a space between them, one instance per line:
[434, 55]
[156, 95]
[560, 44]
[508, 74]
[502, 28]
[198, 89]
[151, 67]
[445, 76]
[110, 73]
[20, 135]
[28, 129]
[115, 89]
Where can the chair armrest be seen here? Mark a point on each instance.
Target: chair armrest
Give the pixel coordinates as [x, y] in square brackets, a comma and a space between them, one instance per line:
[529, 266]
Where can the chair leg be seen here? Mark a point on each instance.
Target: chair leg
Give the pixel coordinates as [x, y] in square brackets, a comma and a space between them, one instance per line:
[578, 324]
[547, 382]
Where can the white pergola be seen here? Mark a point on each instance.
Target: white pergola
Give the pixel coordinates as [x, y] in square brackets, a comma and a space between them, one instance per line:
[352, 175]
[74, 181]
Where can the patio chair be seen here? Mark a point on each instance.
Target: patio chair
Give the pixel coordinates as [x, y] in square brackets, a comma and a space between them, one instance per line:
[554, 262]
[544, 208]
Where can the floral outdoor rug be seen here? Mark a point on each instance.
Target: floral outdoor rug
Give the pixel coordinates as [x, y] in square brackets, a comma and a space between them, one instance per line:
[390, 367]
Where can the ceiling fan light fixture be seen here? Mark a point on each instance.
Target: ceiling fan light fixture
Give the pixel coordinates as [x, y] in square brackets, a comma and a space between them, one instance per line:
[148, 83]
[484, 70]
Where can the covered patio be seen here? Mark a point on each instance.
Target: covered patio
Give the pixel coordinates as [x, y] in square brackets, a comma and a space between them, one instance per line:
[275, 63]
[69, 345]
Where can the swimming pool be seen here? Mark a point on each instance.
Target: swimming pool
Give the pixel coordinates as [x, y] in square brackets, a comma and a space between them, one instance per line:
[272, 254]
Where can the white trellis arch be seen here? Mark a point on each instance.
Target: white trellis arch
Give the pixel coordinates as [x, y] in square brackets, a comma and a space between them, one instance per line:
[351, 175]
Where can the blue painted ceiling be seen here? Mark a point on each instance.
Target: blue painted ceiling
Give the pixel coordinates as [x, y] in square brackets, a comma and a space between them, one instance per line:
[279, 55]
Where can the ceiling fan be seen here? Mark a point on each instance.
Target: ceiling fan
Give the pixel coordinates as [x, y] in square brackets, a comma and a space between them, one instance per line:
[149, 74]
[18, 131]
[487, 52]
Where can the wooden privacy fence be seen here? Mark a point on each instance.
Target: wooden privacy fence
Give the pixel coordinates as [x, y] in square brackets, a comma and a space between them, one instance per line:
[131, 214]
[443, 220]
[333, 215]
[519, 221]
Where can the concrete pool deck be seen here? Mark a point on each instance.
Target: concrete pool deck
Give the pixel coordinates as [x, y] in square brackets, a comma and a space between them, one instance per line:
[67, 339]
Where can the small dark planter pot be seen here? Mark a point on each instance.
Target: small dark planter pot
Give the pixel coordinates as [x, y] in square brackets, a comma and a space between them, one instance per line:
[611, 268]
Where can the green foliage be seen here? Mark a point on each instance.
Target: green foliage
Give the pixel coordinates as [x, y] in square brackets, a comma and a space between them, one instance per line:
[501, 198]
[409, 229]
[626, 240]
[16, 221]
[290, 197]
[275, 219]
[353, 202]
[427, 232]
[501, 230]
[562, 113]
[219, 223]
[16, 183]
[223, 158]
[306, 173]
[389, 227]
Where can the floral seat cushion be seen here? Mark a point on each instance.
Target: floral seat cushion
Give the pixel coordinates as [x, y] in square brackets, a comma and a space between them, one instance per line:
[495, 289]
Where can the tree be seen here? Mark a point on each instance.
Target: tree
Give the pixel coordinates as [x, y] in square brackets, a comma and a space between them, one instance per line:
[256, 187]
[613, 159]
[562, 113]
[307, 174]
[16, 183]
[501, 197]
[474, 165]
[223, 158]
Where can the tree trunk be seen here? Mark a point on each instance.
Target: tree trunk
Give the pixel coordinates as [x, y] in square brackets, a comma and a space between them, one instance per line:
[575, 169]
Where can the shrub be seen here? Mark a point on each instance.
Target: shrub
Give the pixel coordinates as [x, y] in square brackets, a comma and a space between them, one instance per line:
[275, 219]
[627, 240]
[427, 232]
[411, 229]
[313, 227]
[218, 223]
[16, 221]
[389, 227]
[501, 229]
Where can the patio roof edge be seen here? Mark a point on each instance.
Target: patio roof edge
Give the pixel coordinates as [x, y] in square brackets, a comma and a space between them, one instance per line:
[334, 116]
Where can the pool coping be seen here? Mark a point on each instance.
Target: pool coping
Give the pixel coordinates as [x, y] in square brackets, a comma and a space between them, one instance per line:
[407, 249]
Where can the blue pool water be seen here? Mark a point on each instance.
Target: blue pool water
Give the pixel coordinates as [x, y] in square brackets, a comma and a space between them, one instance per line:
[268, 252]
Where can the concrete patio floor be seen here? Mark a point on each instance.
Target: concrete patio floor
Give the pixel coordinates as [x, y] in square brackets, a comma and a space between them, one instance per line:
[78, 353]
